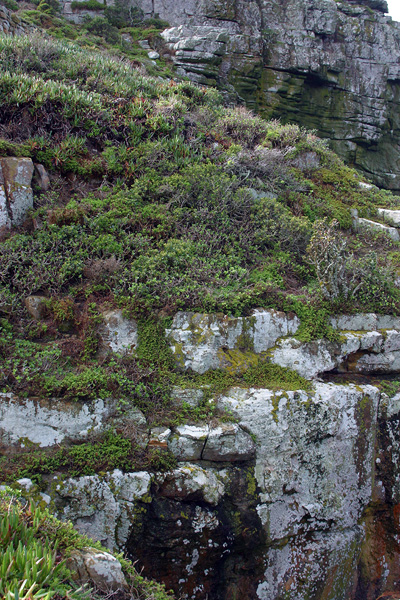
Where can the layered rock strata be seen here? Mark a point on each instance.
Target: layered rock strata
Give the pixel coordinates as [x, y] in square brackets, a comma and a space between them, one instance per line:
[328, 65]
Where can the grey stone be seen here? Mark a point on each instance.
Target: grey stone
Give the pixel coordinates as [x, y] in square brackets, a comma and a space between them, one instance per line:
[98, 568]
[228, 442]
[17, 174]
[102, 507]
[153, 55]
[118, 333]
[390, 216]
[198, 341]
[36, 306]
[380, 228]
[295, 432]
[43, 177]
[277, 57]
[188, 442]
[192, 482]
[48, 422]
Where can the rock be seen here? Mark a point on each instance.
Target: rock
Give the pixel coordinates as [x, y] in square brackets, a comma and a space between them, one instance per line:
[118, 333]
[127, 38]
[359, 322]
[5, 221]
[308, 465]
[228, 442]
[153, 55]
[192, 397]
[192, 483]
[17, 176]
[36, 306]
[390, 216]
[386, 363]
[326, 65]
[48, 422]
[378, 227]
[102, 508]
[200, 342]
[43, 177]
[96, 567]
[188, 442]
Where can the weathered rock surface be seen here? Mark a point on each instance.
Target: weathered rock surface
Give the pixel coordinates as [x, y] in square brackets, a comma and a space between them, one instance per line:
[16, 196]
[103, 508]
[95, 567]
[327, 65]
[48, 422]
[201, 342]
[118, 333]
[11, 24]
[294, 521]
[367, 343]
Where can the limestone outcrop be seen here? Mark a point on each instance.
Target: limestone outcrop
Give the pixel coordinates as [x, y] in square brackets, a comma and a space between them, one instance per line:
[308, 512]
[328, 65]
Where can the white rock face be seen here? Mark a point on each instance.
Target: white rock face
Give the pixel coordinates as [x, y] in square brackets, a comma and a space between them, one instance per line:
[118, 334]
[198, 340]
[16, 196]
[188, 442]
[103, 508]
[390, 216]
[228, 442]
[368, 343]
[385, 229]
[314, 454]
[48, 422]
[333, 552]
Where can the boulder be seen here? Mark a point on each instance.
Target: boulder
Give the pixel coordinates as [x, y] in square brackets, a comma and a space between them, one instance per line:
[203, 341]
[36, 306]
[188, 442]
[98, 568]
[103, 508]
[17, 177]
[118, 333]
[390, 232]
[228, 442]
[42, 177]
[192, 483]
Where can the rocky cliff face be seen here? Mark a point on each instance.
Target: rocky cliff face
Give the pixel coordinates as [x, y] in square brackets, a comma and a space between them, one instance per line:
[294, 497]
[326, 64]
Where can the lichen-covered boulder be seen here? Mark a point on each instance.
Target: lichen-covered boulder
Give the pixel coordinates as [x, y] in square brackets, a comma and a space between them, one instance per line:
[228, 442]
[118, 334]
[192, 482]
[205, 341]
[98, 568]
[18, 196]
